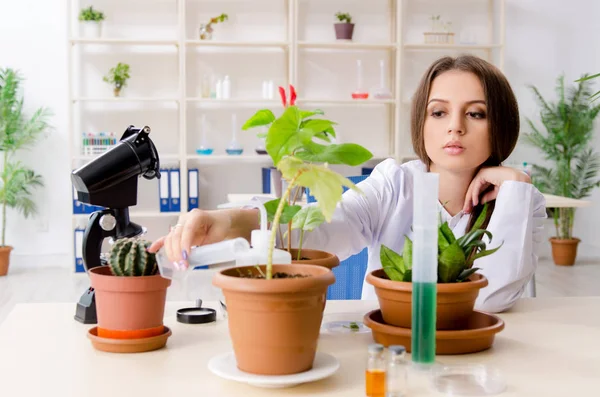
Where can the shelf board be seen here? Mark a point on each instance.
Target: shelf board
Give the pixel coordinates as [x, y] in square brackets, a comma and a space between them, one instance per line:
[140, 214]
[126, 99]
[124, 41]
[227, 159]
[349, 45]
[234, 101]
[451, 46]
[214, 43]
[92, 157]
[347, 102]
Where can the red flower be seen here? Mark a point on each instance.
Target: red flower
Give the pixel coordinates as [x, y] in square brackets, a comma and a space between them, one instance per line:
[292, 95]
[283, 96]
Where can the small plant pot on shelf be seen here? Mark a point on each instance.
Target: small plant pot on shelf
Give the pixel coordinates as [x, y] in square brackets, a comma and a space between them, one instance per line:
[90, 29]
[5, 259]
[274, 324]
[344, 31]
[117, 92]
[564, 251]
[455, 301]
[315, 257]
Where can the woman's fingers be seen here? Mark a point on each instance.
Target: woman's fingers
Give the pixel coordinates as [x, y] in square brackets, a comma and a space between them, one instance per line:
[157, 245]
[491, 195]
[176, 245]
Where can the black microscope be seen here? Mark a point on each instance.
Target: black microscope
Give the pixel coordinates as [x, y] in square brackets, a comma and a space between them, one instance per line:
[111, 181]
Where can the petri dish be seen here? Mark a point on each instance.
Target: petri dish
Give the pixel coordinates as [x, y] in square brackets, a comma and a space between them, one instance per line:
[467, 380]
[344, 323]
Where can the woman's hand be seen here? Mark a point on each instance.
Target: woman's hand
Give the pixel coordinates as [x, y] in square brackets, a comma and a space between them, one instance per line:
[488, 181]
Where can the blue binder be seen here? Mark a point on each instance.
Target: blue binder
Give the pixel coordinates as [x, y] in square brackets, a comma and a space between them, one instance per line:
[79, 250]
[175, 190]
[266, 180]
[163, 190]
[192, 188]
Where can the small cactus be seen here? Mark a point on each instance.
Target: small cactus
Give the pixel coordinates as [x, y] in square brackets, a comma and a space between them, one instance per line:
[129, 257]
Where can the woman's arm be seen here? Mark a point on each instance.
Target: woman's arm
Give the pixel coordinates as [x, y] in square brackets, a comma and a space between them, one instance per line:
[517, 221]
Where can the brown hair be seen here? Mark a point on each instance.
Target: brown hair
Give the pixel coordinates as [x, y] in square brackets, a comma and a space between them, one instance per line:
[502, 111]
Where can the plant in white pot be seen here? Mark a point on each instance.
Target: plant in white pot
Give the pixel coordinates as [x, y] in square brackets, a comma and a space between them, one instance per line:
[344, 28]
[286, 302]
[567, 145]
[18, 131]
[90, 22]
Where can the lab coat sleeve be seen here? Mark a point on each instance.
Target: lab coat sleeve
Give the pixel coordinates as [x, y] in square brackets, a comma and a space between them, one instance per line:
[517, 222]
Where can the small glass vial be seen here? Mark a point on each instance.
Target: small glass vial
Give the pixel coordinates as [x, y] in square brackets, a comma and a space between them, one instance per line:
[396, 374]
[375, 373]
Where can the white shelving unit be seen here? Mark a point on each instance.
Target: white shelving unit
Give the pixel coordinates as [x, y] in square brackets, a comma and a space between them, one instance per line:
[295, 45]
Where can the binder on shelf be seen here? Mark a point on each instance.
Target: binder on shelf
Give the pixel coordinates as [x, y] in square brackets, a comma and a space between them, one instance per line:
[266, 180]
[366, 171]
[79, 250]
[192, 188]
[175, 190]
[163, 190]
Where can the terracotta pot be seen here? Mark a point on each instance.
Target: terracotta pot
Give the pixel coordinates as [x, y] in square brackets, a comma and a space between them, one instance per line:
[344, 31]
[315, 257]
[455, 301]
[129, 307]
[274, 324]
[5, 259]
[564, 251]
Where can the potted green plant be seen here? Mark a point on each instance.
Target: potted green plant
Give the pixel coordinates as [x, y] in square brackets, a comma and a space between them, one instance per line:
[344, 29]
[130, 293]
[458, 283]
[206, 29]
[567, 145]
[90, 22]
[118, 76]
[286, 302]
[18, 131]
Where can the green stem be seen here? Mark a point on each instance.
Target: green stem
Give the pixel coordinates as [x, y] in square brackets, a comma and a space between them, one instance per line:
[276, 224]
[300, 244]
[4, 201]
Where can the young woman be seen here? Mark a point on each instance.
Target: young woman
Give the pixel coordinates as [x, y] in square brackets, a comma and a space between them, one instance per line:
[464, 123]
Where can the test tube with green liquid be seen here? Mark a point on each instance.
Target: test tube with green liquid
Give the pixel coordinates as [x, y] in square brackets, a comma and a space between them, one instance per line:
[424, 268]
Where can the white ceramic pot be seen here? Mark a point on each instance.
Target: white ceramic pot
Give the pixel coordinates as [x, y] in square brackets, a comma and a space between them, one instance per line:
[90, 29]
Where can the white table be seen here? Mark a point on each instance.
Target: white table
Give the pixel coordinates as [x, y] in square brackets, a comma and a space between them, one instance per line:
[550, 347]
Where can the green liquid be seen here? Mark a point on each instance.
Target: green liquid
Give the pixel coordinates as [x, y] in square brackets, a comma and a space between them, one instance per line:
[423, 322]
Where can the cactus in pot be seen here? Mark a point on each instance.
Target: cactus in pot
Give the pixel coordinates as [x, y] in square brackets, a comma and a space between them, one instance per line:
[129, 258]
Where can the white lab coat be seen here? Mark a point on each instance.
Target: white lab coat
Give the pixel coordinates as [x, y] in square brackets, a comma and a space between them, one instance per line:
[383, 215]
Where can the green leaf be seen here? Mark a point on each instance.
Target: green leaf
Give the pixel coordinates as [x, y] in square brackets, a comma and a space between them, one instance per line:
[451, 263]
[407, 276]
[393, 273]
[481, 218]
[308, 218]
[309, 113]
[465, 274]
[447, 232]
[390, 258]
[487, 252]
[283, 138]
[473, 235]
[346, 153]
[289, 211]
[407, 252]
[260, 118]
[442, 242]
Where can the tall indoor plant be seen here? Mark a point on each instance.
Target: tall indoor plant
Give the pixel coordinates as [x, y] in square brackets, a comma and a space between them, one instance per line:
[286, 301]
[567, 146]
[18, 131]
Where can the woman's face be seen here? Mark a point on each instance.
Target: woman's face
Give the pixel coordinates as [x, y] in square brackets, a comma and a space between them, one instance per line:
[456, 129]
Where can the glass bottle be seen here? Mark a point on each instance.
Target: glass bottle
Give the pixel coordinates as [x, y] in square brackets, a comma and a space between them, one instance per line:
[382, 92]
[396, 374]
[234, 148]
[261, 149]
[205, 148]
[360, 92]
[375, 373]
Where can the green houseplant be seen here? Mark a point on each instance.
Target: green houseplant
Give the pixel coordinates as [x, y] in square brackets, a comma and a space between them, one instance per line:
[458, 283]
[567, 147]
[118, 76]
[206, 29]
[90, 21]
[344, 28]
[130, 294]
[287, 301]
[18, 131]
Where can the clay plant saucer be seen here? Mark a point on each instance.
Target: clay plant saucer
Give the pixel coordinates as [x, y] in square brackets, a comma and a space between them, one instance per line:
[477, 336]
[128, 345]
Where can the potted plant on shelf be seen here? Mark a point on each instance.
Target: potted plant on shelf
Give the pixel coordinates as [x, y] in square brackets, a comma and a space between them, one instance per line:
[286, 301]
[130, 297]
[206, 29]
[567, 144]
[458, 283]
[18, 131]
[344, 29]
[90, 22]
[118, 76]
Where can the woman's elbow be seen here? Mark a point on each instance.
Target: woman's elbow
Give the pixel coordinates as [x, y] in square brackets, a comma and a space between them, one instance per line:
[497, 303]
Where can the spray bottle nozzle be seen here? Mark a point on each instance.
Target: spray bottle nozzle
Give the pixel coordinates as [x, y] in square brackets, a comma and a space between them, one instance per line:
[259, 238]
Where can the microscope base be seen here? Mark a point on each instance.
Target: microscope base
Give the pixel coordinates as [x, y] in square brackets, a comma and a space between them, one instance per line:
[86, 308]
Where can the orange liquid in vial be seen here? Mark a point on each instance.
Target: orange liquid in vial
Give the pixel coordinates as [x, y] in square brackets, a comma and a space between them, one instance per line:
[375, 383]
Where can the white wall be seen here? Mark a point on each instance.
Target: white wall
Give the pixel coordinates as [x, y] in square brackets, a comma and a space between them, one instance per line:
[543, 39]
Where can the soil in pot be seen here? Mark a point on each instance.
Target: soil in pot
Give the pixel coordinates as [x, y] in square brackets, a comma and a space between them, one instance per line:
[5, 259]
[315, 257]
[274, 324]
[455, 301]
[564, 251]
[129, 307]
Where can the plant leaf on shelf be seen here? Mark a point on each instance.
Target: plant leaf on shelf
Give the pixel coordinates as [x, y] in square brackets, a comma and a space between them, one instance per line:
[261, 118]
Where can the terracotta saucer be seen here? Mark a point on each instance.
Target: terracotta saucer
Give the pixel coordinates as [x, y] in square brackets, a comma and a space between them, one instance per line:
[128, 345]
[477, 336]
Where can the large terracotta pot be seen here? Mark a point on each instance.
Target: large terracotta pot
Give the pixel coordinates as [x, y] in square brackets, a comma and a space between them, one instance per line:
[5, 259]
[128, 307]
[315, 257]
[455, 301]
[274, 324]
[564, 251]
